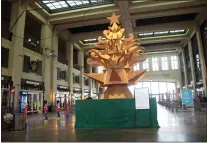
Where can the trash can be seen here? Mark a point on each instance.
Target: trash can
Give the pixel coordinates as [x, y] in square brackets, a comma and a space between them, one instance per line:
[19, 121]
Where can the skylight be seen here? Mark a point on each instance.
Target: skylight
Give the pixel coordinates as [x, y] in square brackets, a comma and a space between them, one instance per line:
[64, 5]
[161, 33]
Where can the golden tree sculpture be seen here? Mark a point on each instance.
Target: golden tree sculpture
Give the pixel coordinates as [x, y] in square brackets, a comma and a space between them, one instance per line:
[116, 55]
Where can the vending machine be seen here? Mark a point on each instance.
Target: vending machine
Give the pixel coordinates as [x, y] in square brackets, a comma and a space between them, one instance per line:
[23, 100]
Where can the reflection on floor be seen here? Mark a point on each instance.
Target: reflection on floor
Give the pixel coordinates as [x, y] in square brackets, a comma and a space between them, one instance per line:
[180, 126]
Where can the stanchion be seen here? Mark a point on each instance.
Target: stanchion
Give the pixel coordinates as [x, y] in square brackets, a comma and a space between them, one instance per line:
[67, 112]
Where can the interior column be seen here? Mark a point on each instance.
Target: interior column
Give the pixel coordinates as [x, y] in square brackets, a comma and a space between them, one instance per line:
[16, 51]
[81, 64]
[46, 44]
[185, 70]
[69, 49]
[192, 66]
[54, 67]
[90, 82]
[202, 60]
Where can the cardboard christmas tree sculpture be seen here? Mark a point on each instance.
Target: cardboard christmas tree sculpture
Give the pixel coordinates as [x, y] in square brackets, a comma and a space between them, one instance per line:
[117, 55]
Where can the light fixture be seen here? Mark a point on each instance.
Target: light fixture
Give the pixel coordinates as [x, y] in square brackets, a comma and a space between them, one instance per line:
[29, 39]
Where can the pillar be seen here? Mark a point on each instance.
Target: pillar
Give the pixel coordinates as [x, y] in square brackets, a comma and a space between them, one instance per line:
[185, 70]
[81, 65]
[17, 49]
[46, 44]
[90, 82]
[192, 66]
[69, 50]
[202, 59]
[54, 66]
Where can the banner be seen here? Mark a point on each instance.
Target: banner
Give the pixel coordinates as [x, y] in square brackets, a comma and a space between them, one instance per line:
[187, 96]
[142, 98]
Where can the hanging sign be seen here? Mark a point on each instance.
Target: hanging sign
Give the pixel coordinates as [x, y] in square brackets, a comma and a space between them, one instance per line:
[187, 96]
[142, 98]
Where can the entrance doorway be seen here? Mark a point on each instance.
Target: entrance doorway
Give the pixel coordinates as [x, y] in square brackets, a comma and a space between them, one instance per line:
[62, 99]
[35, 102]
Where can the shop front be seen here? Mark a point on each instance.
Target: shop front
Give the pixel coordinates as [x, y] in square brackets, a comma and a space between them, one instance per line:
[32, 94]
[94, 95]
[62, 96]
[76, 95]
[7, 94]
[86, 93]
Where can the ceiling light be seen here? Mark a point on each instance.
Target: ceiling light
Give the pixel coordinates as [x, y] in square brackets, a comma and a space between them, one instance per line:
[29, 40]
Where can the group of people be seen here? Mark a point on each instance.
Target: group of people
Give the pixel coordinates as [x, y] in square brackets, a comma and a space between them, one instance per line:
[57, 110]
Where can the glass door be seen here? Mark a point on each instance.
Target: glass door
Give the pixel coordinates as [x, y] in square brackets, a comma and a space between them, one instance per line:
[35, 96]
[39, 102]
[29, 102]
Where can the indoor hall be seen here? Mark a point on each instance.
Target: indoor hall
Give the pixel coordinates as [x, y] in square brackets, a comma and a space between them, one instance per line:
[146, 74]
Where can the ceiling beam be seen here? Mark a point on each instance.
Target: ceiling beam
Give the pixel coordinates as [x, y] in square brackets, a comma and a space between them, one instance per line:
[82, 23]
[165, 27]
[152, 40]
[141, 29]
[168, 12]
[161, 39]
[150, 6]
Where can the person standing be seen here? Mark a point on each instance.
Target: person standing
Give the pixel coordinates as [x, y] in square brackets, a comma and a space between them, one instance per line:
[46, 111]
[58, 109]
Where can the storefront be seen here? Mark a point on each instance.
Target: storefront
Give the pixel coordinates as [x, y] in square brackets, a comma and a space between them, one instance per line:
[62, 96]
[31, 94]
[6, 86]
[94, 95]
[76, 95]
[7, 94]
[86, 93]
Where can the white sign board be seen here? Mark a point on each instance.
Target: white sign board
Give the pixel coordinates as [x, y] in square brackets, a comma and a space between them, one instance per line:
[142, 98]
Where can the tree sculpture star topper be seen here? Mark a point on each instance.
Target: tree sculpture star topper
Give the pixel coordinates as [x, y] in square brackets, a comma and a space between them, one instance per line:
[116, 54]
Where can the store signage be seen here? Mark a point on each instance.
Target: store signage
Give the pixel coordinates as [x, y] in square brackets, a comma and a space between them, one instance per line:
[64, 87]
[142, 98]
[32, 82]
[187, 96]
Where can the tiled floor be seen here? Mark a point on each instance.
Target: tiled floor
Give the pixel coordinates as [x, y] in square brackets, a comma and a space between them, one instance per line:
[180, 126]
